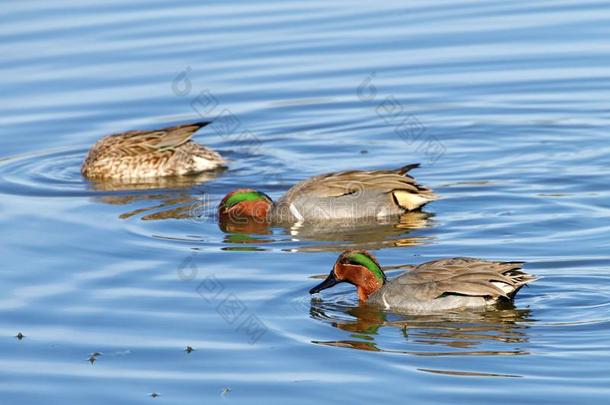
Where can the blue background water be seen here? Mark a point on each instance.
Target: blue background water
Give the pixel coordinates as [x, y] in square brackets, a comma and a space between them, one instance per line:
[505, 104]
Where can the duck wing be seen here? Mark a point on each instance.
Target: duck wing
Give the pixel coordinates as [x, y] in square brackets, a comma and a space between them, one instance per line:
[465, 276]
[133, 143]
[406, 192]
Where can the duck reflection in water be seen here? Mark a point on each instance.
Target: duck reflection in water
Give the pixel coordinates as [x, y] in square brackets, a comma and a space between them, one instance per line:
[173, 197]
[337, 235]
[501, 330]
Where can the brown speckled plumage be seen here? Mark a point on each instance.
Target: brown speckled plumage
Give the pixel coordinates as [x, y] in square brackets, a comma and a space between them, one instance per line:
[144, 154]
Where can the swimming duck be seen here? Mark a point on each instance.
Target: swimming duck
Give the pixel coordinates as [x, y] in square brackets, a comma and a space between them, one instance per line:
[460, 282]
[346, 195]
[144, 154]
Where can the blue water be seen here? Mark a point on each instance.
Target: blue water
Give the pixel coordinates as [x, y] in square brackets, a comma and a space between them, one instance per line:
[505, 104]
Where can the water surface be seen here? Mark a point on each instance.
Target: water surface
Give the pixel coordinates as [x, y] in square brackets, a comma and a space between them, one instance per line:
[504, 104]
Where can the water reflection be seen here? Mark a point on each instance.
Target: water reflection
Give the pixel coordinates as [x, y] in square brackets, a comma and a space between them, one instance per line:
[171, 197]
[243, 226]
[501, 330]
[338, 236]
[170, 182]
[242, 242]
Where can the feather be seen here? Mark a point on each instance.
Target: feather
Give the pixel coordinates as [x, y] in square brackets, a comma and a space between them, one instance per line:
[465, 276]
[139, 154]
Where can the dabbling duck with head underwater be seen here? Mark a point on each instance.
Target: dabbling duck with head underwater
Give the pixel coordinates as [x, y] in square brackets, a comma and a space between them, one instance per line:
[145, 154]
[347, 195]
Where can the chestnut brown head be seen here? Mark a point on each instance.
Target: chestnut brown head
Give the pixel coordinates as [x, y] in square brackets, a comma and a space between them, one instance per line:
[357, 267]
[245, 203]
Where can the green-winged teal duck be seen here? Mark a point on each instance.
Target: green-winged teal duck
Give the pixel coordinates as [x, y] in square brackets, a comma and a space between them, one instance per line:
[439, 285]
[144, 154]
[346, 195]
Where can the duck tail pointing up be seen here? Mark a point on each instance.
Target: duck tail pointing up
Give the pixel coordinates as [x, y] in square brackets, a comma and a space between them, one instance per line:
[200, 124]
[518, 277]
[407, 168]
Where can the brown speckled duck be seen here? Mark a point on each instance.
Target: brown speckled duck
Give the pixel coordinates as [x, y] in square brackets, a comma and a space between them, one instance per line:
[439, 285]
[144, 154]
[348, 195]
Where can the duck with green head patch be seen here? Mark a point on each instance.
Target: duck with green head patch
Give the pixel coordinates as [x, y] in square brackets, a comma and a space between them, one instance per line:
[347, 196]
[439, 285]
[243, 204]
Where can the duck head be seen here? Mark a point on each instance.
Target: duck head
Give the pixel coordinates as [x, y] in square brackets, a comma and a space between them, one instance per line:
[244, 203]
[357, 267]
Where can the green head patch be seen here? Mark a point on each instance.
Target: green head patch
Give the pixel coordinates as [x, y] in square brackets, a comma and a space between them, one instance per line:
[241, 196]
[363, 259]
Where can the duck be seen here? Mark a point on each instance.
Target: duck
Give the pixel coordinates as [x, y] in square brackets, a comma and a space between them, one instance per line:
[439, 285]
[346, 195]
[147, 154]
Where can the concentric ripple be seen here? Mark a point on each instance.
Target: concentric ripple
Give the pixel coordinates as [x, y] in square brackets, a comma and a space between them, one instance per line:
[504, 104]
[44, 174]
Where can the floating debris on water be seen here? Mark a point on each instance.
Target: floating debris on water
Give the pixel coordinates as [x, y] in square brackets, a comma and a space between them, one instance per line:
[93, 357]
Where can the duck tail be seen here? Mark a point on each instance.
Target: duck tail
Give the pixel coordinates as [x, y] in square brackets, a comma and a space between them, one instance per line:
[173, 137]
[405, 169]
[191, 127]
[200, 124]
[517, 276]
